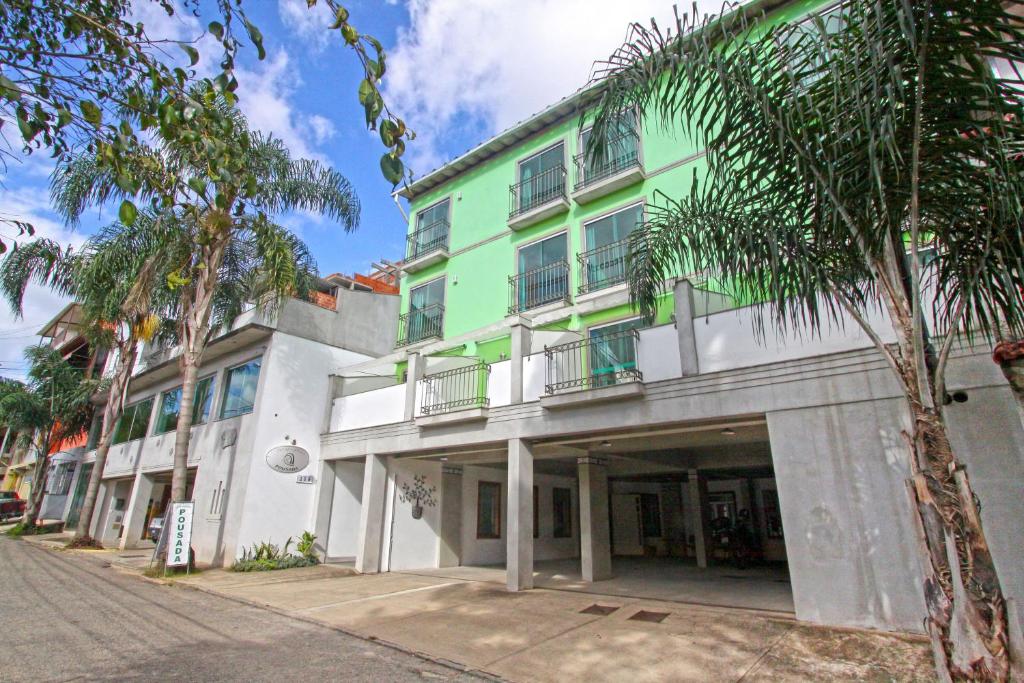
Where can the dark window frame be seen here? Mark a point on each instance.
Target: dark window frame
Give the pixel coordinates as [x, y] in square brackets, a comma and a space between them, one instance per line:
[496, 487]
[558, 530]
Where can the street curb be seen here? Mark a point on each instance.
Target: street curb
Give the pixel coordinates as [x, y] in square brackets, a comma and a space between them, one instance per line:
[458, 666]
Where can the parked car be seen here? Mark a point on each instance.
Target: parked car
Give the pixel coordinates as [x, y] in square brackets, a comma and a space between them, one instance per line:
[11, 505]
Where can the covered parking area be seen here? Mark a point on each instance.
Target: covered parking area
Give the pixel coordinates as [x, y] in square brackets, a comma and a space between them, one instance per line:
[687, 513]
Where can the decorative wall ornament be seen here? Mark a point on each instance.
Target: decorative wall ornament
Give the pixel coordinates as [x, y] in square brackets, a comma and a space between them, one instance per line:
[419, 494]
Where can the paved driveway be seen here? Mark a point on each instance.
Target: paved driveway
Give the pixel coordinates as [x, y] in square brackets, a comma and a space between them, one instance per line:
[66, 616]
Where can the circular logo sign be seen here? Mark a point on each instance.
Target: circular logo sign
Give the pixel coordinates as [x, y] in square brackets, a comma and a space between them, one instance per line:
[287, 459]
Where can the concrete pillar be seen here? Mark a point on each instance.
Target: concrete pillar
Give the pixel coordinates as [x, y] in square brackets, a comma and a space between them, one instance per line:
[451, 517]
[99, 513]
[519, 531]
[371, 515]
[595, 537]
[135, 514]
[699, 507]
[414, 373]
[522, 338]
[682, 295]
[323, 502]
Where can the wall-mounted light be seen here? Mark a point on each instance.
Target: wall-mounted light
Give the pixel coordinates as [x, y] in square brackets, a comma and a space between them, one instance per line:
[728, 431]
[605, 444]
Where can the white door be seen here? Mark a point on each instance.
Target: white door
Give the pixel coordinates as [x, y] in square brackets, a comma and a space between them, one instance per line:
[627, 532]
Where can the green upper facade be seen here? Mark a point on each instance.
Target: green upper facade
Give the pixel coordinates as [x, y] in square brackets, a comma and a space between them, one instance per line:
[525, 224]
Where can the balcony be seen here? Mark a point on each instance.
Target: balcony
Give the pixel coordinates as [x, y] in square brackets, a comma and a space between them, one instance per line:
[426, 246]
[539, 287]
[592, 370]
[618, 167]
[452, 396]
[420, 324]
[603, 267]
[536, 198]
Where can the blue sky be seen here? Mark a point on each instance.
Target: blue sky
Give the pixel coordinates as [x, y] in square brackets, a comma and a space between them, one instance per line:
[459, 72]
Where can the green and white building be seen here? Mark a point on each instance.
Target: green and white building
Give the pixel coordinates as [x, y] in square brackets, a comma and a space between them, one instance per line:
[528, 421]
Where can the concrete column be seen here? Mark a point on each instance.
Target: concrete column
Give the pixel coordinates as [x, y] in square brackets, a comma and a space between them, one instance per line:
[451, 517]
[371, 515]
[595, 538]
[519, 528]
[522, 338]
[323, 502]
[698, 505]
[682, 295]
[414, 373]
[99, 513]
[135, 514]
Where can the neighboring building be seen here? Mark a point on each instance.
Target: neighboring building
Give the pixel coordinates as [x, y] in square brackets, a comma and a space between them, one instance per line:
[264, 384]
[529, 418]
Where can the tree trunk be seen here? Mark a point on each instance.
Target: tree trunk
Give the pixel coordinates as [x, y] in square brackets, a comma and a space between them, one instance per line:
[111, 413]
[966, 611]
[39, 476]
[195, 330]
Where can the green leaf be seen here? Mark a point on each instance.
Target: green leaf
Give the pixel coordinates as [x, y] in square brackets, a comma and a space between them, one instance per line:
[388, 132]
[256, 37]
[340, 18]
[197, 185]
[127, 213]
[8, 89]
[63, 117]
[392, 168]
[193, 54]
[91, 112]
[217, 29]
[351, 35]
[366, 92]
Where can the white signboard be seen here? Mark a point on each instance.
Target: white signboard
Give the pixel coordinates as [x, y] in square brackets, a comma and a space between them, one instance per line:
[288, 459]
[180, 537]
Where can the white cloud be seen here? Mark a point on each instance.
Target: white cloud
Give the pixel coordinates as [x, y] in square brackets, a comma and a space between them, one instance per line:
[309, 24]
[492, 63]
[29, 203]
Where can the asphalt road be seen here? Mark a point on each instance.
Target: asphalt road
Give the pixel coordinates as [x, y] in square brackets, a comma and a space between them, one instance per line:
[65, 616]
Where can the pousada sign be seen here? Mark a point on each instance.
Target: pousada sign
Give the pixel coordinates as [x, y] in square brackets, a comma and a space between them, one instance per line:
[180, 535]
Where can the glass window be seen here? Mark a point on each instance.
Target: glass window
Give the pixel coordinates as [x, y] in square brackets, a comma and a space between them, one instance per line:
[607, 247]
[95, 429]
[488, 510]
[170, 405]
[541, 177]
[833, 20]
[621, 148]
[240, 389]
[562, 512]
[431, 229]
[426, 311]
[543, 272]
[612, 353]
[134, 421]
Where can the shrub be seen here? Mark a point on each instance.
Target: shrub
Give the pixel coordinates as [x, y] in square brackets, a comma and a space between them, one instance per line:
[266, 556]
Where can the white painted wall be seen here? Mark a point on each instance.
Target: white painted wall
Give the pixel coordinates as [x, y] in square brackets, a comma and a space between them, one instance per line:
[369, 409]
[499, 384]
[477, 551]
[345, 507]
[533, 377]
[658, 353]
[414, 543]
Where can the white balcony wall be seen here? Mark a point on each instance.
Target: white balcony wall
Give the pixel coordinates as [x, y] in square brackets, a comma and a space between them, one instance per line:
[499, 384]
[727, 340]
[369, 409]
[658, 353]
[533, 377]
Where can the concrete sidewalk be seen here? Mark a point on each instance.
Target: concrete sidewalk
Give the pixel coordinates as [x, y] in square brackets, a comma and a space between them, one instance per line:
[550, 635]
[555, 635]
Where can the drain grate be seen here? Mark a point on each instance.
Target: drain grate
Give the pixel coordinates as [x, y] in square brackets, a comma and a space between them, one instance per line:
[600, 610]
[653, 617]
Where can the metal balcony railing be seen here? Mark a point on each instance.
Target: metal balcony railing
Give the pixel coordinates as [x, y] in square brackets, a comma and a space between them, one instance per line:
[457, 389]
[599, 361]
[536, 191]
[603, 267]
[537, 287]
[620, 153]
[419, 324]
[427, 239]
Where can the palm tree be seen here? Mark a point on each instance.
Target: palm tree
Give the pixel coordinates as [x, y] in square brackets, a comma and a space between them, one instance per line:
[214, 185]
[112, 283]
[52, 405]
[861, 160]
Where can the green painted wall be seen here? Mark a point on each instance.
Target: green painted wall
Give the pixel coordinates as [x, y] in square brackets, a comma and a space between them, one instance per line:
[483, 248]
